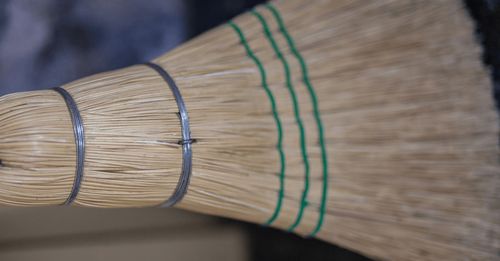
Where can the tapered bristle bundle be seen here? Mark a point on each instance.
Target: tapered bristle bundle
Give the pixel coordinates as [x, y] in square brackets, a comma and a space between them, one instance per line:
[397, 158]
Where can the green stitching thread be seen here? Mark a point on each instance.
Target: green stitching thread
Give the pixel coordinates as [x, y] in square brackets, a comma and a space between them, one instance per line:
[317, 116]
[279, 146]
[296, 109]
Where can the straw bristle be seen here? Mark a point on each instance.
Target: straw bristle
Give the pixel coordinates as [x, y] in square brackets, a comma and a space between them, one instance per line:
[410, 130]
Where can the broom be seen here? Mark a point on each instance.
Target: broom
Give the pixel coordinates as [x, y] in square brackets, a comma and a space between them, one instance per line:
[368, 124]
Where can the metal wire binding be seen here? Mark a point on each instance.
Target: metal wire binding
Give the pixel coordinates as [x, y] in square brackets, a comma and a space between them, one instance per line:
[79, 133]
[186, 141]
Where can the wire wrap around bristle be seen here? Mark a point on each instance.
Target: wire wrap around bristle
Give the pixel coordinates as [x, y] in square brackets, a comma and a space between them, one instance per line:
[79, 132]
[186, 142]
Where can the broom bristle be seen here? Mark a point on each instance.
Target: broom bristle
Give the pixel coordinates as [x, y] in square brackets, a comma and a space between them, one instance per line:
[409, 127]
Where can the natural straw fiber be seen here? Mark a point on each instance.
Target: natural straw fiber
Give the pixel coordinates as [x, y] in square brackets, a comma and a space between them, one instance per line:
[367, 124]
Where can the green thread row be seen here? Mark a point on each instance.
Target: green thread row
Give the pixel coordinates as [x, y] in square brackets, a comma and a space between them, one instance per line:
[316, 112]
[298, 120]
[277, 120]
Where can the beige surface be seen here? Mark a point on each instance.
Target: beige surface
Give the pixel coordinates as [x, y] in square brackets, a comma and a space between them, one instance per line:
[97, 234]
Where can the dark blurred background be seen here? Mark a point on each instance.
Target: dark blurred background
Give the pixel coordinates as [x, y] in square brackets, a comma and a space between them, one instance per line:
[45, 43]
